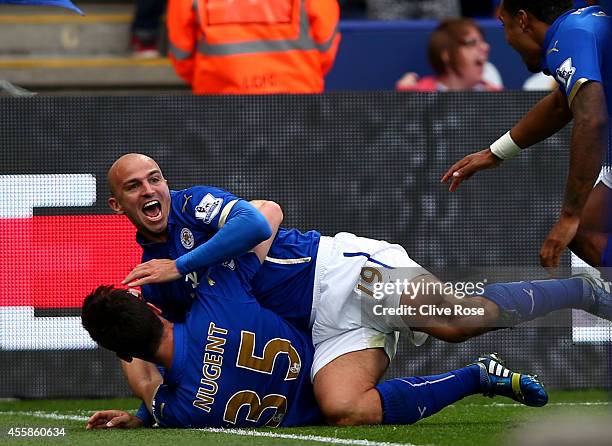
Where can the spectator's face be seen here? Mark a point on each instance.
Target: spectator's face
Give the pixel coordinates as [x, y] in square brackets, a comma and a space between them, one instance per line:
[141, 193]
[473, 54]
[518, 37]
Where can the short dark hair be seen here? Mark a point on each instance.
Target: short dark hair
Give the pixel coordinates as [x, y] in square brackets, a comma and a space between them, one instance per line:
[546, 11]
[448, 36]
[121, 322]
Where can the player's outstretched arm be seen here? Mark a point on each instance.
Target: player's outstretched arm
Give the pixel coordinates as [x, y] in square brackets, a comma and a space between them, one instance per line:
[118, 419]
[546, 118]
[463, 169]
[589, 142]
[153, 271]
[244, 228]
[143, 378]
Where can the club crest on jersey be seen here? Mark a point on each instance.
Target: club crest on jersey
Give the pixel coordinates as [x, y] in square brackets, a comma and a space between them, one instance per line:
[565, 72]
[208, 208]
[187, 239]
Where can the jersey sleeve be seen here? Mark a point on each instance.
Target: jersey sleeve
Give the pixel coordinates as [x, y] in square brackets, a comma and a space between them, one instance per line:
[206, 206]
[161, 408]
[573, 60]
[144, 415]
[241, 227]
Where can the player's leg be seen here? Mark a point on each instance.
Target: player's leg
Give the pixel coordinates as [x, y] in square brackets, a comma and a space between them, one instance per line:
[424, 304]
[345, 391]
[353, 345]
[349, 359]
[592, 242]
[347, 333]
[503, 305]
[408, 400]
[367, 304]
[465, 318]
[348, 394]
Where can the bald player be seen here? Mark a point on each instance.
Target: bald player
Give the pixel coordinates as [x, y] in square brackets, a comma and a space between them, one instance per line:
[323, 285]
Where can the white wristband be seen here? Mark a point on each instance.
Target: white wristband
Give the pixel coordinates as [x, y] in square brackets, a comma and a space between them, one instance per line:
[505, 147]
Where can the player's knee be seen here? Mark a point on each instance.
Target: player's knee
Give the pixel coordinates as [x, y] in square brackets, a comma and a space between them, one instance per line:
[347, 408]
[454, 335]
[456, 338]
[345, 411]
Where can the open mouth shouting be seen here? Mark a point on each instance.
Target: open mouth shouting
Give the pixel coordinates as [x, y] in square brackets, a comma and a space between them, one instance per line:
[153, 210]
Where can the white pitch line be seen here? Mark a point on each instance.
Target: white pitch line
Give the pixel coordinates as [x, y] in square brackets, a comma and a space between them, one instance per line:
[313, 438]
[241, 432]
[330, 440]
[49, 415]
[585, 403]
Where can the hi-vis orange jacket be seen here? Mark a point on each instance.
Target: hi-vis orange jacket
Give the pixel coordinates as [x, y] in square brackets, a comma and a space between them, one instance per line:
[253, 46]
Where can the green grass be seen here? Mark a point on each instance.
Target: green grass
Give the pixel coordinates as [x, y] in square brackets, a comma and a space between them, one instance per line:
[475, 420]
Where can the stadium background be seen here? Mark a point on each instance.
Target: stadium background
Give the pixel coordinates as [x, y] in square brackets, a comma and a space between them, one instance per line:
[368, 163]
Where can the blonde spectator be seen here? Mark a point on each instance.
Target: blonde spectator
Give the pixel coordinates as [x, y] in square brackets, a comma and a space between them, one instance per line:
[459, 54]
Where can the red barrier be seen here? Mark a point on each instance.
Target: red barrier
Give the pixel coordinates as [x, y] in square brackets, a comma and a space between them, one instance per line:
[54, 261]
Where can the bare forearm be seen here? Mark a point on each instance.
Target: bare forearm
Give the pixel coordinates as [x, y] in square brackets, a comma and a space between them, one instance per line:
[589, 142]
[586, 156]
[140, 376]
[544, 119]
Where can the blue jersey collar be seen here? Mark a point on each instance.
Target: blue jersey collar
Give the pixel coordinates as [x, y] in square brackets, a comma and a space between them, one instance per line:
[173, 374]
[550, 33]
[144, 243]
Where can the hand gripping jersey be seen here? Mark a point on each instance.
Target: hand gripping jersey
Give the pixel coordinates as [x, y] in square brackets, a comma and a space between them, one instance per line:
[578, 49]
[235, 363]
[283, 284]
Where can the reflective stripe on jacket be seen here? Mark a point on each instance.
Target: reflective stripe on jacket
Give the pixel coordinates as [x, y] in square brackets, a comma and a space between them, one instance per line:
[253, 46]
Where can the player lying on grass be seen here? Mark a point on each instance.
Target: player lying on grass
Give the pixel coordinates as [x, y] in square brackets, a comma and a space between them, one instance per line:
[573, 46]
[313, 282]
[233, 363]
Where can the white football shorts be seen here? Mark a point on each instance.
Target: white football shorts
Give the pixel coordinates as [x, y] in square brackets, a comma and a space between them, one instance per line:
[343, 318]
[606, 177]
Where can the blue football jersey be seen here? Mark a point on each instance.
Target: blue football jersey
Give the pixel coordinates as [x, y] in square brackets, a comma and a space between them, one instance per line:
[577, 49]
[235, 363]
[195, 215]
[283, 284]
[285, 281]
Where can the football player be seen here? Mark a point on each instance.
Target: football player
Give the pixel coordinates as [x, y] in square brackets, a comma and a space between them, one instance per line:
[573, 46]
[317, 283]
[232, 363]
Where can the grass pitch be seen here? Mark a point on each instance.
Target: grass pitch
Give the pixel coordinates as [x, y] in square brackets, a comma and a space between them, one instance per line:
[475, 420]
